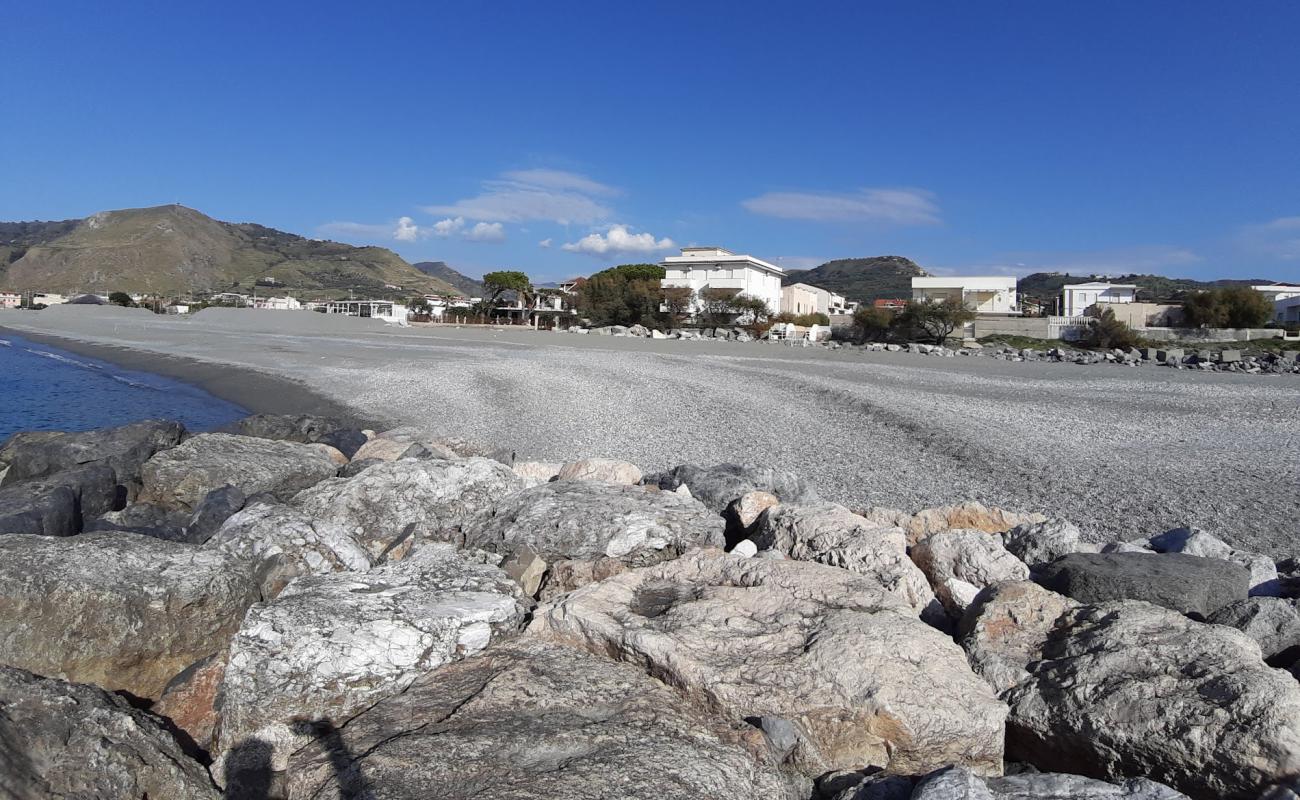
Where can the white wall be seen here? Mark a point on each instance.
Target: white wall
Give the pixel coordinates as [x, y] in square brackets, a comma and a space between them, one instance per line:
[717, 269]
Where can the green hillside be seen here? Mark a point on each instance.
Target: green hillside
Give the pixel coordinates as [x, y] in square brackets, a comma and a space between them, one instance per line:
[461, 283]
[1046, 286]
[174, 250]
[862, 279]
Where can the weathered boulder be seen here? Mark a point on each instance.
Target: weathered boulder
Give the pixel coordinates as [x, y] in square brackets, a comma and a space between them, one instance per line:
[973, 516]
[584, 520]
[211, 513]
[1188, 584]
[530, 720]
[756, 638]
[608, 470]
[145, 519]
[1005, 627]
[536, 472]
[1130, 689]
[1037, 543]
[1196, 542]
[831, 534]
[405, 442]
[746, 509]
[959, 783]
[190, 698]
[565, 575]
[115, 609]
[303, 428]
[286, 544]
[718, 486]
[330, 645]
[39, 510]
[124, 449]
[1272, 622]
[183, 476]
[63, 740]
[391, 502]
[958, 563]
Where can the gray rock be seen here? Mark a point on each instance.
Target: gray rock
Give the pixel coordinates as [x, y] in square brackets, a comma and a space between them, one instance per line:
[1196, 542]
[528, 720]
[39, 510]
[755, 638]
[145, 519]
[400, 500]
[718, 486]
[959, 783]
[67, 740]
[1005, 627]
[600, 469]
[1188, 584]
[125, 449]
[183, 476]
[285, 544]
[213, 510]
[856, 786]
[1272, 622]
[1043, 542]
[584, 520]
[346, 440]
[958, 563]
[118, 610]
[303, 428]
[831, 534]
[1129, 689]
[357, 466]
[331, 645]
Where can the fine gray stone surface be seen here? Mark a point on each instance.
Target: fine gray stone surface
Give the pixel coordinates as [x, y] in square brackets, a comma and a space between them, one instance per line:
[118, 610]
[528, 720]
[1184, 583]
[848, 664]
[183, 476]
[60, 741]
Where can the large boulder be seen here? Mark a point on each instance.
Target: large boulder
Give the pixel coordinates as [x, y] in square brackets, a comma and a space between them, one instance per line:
[959, 783]
[973, 516]
[124, 449]
[1196, 542]
[1188, 584]
[60, 504]
[394, 501]
[601, 469]
[1272, 622]
[145, 519]
[1038, 543]
[718, 486]
[958, 563]
[586, 520]
[843, 670]
[831, 534]
[286, 544]
[305, 428]
[1129, 689]
[1005, 627]
[67, 740]
[183, 476]
[406, 442]
[529, 720]
[118, 610]
[331, 645]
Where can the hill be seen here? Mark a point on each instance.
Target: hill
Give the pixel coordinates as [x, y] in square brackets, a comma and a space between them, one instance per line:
[1046, 286]
[862, 279]
[174, 250]
[461, 283]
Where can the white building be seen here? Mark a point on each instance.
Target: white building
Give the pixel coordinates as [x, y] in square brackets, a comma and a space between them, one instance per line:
[983, 294]
[701, 268]
[48, 298]
[277, 303]
[388, 311]
[10, 299]
[1278, 291]
[1287, 309]
[1077, 297]
[804, 298]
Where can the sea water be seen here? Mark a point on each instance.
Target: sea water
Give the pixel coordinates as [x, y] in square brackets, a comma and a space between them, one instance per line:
[45, 388]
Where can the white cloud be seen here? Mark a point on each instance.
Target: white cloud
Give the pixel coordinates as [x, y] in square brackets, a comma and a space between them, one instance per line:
[885, 206]
[486, 232]
[408, 231]
[539, 194]
[447, 227]
[1279, 238]
[618, 240]
[544, 243]
[404, 230]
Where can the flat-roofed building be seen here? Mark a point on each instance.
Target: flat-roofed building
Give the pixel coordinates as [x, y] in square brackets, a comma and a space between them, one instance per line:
[983, 294]
[703, 268]
[1076, 298]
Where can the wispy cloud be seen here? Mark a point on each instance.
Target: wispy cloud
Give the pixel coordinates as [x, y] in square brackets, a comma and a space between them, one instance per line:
[486, 232]
[404, 230]
[896, 207]
[538, 194]
[544, 243]
[1279, 238]
[619, 240]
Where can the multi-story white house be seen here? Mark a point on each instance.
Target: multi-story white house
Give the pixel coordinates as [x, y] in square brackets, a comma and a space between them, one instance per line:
[1077, 297]
[803, 298]
[700, 268]
[983, 294]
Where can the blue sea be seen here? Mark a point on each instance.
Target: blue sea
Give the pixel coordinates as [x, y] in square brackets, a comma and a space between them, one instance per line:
[45, 388]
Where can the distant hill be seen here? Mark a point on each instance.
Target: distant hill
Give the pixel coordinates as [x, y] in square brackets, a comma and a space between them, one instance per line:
[174, 250]
[862, 279]
[461, 283]
[1045, 286]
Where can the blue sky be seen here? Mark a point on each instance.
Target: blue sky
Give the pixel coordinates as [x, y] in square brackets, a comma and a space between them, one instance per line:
[559, 138]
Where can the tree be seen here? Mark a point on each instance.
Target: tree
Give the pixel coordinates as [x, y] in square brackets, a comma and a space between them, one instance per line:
[679, 301]
[1106, 332]
[628, 294]
[498, 283]
[935, 320]
[121, 299]
[1227, 307]
[419, 305]
[871, 323]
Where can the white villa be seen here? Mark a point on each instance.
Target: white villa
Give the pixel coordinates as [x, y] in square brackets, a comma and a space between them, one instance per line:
[1077, 297]
[10, 299]
[699, 268]
[803, 298]
[983, 294]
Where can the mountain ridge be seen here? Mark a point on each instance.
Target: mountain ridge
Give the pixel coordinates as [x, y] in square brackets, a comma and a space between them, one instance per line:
[862, 279]
[457, 280]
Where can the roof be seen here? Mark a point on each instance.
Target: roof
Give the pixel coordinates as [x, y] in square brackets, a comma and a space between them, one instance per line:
[729, 258]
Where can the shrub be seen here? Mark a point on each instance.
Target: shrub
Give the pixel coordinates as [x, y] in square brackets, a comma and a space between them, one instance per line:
[1108, 332]
[872, 324]
[1227, 307]
[935, 321]
[121, 299]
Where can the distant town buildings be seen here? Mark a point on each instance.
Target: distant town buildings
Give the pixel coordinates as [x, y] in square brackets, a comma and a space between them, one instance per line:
[983, 294]
[1077, 297]
[386, 310]
[276, 303]
[889, 303]
[10, 299]
[704, 268]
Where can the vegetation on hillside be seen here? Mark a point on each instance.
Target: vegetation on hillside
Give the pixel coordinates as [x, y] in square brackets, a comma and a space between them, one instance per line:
[1045, 287]
[1227, 307]
[862, 279]
[463, 284]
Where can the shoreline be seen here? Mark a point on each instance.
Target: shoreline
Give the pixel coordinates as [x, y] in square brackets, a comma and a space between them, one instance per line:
[254, 391]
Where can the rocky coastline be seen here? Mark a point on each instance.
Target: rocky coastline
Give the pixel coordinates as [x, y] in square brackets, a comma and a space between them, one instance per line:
[299, 607]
